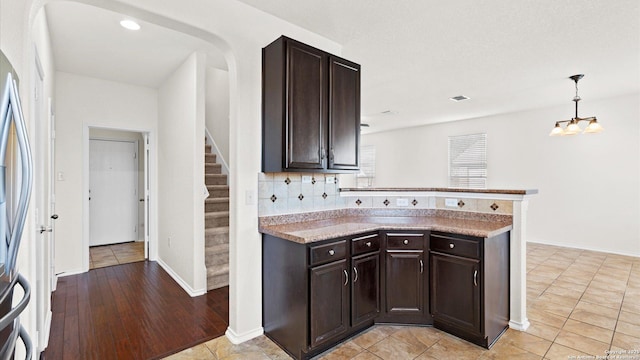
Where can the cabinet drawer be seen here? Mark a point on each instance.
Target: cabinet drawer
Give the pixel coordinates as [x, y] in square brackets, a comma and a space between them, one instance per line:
[365, 244]
[455, 246]
[400, 241]
[328, 252]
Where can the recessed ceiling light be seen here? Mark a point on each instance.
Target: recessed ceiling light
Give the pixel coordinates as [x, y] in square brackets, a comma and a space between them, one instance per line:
[459, 98]
[130, 25]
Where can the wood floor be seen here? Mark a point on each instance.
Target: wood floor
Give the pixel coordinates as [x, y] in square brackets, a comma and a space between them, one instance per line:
[131, 311]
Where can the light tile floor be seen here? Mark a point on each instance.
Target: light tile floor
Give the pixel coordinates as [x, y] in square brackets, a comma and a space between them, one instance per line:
[580, 303]
[117, 254]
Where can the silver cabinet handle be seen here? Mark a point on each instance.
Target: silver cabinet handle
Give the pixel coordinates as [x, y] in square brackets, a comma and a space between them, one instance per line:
[346, 277]
[356, 272]
[451, 246]
[332, 155]
[475, 278]
[421, 266]
[321, 154]
[368, 243]
[331, 252]
[406, 242]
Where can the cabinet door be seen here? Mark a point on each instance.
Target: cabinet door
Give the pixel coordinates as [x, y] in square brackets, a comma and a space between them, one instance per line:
[404, 278]
[365, 296]
[455, 291]
[344, 114]
[306, 107]
[329, 301]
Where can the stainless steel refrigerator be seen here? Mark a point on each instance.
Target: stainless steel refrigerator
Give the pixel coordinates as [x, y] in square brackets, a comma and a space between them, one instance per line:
[16, 172]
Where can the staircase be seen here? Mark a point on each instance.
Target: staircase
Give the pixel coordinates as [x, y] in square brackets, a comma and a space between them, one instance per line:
[216, 223]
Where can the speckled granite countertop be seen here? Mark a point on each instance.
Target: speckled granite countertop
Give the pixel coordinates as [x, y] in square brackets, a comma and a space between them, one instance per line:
[311, 227]
[478, 191]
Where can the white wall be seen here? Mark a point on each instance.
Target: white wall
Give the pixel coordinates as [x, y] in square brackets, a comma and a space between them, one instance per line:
[589, 184]
[240, 31]
[80, 102]
[217, 108]
[181, 173]
[22, 30]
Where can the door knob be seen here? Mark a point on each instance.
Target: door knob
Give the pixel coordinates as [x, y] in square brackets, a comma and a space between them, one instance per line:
[406, 242]
[45, 229]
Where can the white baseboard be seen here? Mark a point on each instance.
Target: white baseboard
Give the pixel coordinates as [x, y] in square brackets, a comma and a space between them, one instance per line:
[240, 338]
[191, 291]
[47, 333]
[519, 326]
[69, 273]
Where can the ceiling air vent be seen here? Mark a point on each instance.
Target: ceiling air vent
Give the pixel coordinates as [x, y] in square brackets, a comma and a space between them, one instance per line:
[459, 98]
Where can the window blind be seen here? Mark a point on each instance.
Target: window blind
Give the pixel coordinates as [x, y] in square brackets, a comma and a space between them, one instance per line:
[468, 161]
[367, 166]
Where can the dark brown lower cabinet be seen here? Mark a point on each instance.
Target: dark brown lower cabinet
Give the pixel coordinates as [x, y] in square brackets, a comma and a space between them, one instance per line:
[470, 286]
[365, 295]
[405, 279]
[455, 292]
[316, 295]
[329, 301]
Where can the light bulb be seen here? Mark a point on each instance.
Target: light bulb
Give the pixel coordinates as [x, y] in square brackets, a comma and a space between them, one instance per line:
[593, 128]
[572, 128]
[557, 131]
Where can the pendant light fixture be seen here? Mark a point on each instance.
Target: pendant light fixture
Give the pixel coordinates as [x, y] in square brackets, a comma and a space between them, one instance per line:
[573, 126]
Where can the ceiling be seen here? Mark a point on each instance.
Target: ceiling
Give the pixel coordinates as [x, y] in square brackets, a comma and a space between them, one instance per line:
[505, 55]
[89, 41]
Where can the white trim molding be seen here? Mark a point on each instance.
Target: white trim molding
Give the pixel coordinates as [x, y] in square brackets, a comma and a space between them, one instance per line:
[236, 339]
[188, 289]
[434, 193]
[216, 150]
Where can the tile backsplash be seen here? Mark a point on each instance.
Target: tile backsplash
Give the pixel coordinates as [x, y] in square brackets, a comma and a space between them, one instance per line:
[291, 193]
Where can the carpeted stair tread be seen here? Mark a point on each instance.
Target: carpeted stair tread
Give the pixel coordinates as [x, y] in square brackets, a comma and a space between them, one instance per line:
[215, 214]
[217, 230]
[218, 270]
[216, 200]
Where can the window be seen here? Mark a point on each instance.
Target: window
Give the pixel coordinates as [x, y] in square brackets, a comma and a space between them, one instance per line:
[367, 166]
[468, 161]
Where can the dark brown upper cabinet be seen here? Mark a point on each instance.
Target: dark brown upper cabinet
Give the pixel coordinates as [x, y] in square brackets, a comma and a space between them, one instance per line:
[310, 109]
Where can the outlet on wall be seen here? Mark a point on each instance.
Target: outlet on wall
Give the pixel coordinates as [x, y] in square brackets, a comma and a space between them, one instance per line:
[451, 202]
[330, 179]
[306, 179]
[402, 202]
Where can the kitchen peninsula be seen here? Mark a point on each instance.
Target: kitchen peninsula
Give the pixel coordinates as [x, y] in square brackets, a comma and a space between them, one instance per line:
[451, 258]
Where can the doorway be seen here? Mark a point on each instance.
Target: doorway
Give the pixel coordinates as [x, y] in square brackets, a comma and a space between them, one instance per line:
[117, 197]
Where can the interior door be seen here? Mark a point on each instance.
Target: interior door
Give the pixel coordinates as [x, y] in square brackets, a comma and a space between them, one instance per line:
[52, 197]
[146, 195]
[113, 202]
[41, 194]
